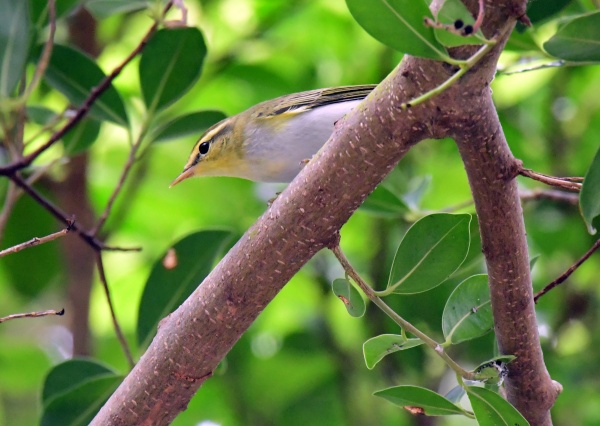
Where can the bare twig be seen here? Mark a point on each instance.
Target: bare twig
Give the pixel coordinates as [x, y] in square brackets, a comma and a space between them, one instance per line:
[550, 194]
[566, 183]
[34, 242]
[120, 335]
[113, 197]
[405, 325]
[95, 93]
[46, 53]
[563, 277]
[32, 315]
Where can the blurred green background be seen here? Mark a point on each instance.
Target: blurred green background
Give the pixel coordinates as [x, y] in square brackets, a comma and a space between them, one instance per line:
[301, 362]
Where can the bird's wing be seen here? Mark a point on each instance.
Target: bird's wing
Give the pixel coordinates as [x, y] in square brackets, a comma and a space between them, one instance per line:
[303, 101]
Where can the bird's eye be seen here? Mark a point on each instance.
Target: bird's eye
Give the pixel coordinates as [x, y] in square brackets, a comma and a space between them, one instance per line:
[203, 148]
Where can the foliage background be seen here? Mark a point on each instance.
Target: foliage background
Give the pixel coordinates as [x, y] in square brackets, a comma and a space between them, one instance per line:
[301, 362]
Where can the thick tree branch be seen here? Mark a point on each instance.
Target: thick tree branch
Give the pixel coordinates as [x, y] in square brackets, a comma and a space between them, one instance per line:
[492, 169]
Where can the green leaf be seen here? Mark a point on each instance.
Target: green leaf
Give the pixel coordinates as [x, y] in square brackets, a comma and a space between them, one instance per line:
[74, 392]
[578, 40]
[494, 371]
[493, 410]
[40, 115]
[452, 11]
[194, 123]
[170, 64]
[538, 11]
[468, 313]
[38, 10]
[416, 189]
[82, 136]
[376, 348]
[104, 8]
[175, 275]
[589, 198]
[419, 401]
[399, 24]
[75, 74]
[533, 260]
[345, 291]
[382, 202]
[455, 394]
[432, 249]
[14, 43]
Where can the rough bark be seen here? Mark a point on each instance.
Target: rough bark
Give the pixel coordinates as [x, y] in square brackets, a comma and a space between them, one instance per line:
[306, 217]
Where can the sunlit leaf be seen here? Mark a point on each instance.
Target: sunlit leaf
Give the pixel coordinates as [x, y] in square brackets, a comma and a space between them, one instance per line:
[376, 348]
[170, 64]
[468, 313]
[194, 123]
[495, 370]
[74, 392]
[451, 12]
[350, 296]
[578, 40]
[432, 249]
[175, 275]
[419, 400]
[14, 43]
[492, 410]
[398, 24]
[75, 74]
[589, 198]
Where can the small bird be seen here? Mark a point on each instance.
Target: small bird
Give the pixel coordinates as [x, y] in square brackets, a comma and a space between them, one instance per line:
[271, 141]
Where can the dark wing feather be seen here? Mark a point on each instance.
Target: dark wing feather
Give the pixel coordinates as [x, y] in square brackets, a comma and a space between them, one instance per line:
[320, 97]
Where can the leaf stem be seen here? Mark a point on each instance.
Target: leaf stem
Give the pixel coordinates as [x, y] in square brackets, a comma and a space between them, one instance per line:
[405, 325]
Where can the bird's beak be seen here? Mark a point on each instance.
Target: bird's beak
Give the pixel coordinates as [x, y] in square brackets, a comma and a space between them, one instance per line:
[187, 173]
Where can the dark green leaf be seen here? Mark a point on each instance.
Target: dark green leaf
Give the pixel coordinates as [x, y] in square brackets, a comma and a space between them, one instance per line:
[522, 42]
[468, 313]
[69, 375]
[382, 202]
[104, 8]
[420, 400]
[589, 199]
[38, 9]
[175, 276]
[578, 40]
[432, 249]
[30, 271]
[451, 12]
[538, 11]
[194, 123]
[170, 64]
[40, 115]
[351, 298]
[78, 408]
[376, 348]
[493, 410]
[74, 74]
[399, 24]
[14, 43]
[81, 137]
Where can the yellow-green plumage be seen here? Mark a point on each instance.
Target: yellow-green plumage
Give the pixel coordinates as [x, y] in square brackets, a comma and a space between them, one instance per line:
[271, 141]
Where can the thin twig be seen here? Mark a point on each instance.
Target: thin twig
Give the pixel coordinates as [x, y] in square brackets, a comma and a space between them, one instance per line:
[116, 325]
[405, 325]
[566, 183]
[550, 194]
[563, 277]
[32, 315]
[113, 197]
[34, 242]
[46, 53]
[95, 93]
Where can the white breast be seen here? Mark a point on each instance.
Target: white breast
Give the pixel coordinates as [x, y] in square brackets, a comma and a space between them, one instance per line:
[299, 138]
